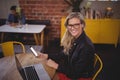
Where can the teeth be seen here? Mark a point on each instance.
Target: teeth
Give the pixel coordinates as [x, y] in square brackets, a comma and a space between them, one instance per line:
[73, 31]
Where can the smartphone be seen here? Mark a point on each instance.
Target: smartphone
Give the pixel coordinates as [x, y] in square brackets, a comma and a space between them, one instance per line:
[33, 51]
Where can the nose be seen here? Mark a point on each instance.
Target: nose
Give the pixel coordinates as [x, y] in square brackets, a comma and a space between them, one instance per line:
[72, 27]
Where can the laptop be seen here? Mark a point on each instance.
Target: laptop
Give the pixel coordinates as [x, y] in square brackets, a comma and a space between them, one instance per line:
[32, 72]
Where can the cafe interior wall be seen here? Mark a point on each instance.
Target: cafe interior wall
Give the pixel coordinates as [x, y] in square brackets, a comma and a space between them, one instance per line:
[5, 7]
[102, 5]
[54, 10]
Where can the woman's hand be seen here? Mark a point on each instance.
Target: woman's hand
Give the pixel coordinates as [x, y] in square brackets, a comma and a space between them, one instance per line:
[42, 55]
[52, 64]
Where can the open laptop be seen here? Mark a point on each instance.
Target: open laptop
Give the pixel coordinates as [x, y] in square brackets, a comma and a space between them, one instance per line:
[32, 72]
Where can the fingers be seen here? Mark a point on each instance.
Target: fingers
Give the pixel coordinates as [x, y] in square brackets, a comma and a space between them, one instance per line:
[41, 55]
[52, 63]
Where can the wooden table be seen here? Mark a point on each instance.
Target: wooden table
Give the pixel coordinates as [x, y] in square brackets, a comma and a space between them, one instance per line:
[8, 69]
[36, 30]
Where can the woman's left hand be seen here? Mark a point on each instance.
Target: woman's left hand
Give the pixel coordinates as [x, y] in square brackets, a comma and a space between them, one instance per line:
[52, 63]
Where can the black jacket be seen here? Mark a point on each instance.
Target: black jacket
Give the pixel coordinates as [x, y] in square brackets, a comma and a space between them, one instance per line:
[79, 62]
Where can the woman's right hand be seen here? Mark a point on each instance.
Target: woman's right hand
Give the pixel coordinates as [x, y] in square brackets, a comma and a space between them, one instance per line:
[42, 55]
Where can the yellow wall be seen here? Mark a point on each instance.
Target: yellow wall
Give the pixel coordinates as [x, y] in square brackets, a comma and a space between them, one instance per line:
[101, 31]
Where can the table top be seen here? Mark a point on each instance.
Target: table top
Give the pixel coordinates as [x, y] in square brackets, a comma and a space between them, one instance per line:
[27, 28]
[8, 69]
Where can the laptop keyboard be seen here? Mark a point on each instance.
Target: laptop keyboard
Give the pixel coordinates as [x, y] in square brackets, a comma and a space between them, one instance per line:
[31, 73]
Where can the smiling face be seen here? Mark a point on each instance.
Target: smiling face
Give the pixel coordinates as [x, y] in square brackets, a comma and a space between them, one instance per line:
[75, 27]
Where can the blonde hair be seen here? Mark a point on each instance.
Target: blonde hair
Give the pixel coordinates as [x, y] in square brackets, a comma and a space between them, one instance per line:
[66, 41]
[67, 38]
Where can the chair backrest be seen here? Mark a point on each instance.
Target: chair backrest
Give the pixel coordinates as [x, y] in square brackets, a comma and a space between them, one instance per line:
[100, 66]
[8, 47]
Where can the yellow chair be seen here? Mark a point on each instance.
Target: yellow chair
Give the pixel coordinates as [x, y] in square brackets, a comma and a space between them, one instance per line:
[97, 60]
[8, 47]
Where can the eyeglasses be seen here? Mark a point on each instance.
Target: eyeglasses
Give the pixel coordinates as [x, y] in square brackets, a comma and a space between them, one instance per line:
[76, 25]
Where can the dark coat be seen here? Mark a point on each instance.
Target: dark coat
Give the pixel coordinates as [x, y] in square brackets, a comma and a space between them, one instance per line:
[79, 62]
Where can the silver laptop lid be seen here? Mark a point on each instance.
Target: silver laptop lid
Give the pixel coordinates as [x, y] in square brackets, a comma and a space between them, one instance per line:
[42, 74]
[20, 69]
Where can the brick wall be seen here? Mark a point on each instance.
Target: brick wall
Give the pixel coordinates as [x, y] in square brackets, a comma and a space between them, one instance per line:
[51, 10]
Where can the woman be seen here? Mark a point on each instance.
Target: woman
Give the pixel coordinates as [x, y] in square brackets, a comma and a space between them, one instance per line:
[76, 60]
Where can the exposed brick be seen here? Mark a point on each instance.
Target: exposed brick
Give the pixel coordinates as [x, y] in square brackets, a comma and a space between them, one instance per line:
[43, 10]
